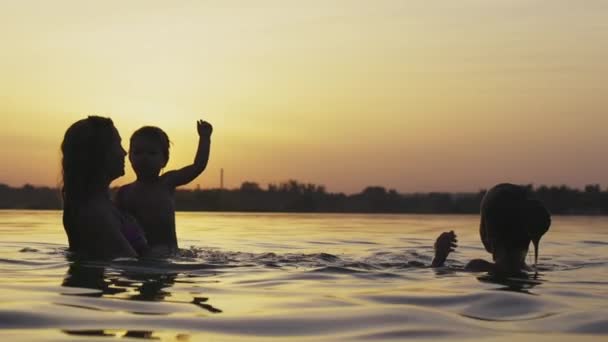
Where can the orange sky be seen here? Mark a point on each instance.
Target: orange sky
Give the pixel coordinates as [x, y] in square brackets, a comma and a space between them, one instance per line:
[412, 95]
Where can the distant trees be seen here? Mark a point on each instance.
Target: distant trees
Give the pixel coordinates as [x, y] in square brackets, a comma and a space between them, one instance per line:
[293, 196]
[29, 197]
[250, 187]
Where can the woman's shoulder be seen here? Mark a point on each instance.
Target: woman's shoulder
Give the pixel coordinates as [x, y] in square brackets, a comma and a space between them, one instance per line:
[124, 190]
[93, 214]
[99, 229]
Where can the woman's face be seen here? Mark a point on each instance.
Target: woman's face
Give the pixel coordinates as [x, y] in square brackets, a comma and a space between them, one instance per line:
[115, 157]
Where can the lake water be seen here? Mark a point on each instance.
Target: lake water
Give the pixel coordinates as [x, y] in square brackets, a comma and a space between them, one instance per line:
[314, 277]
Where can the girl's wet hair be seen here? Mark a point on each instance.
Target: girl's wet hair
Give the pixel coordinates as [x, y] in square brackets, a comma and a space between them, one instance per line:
[512, 218]
[155, 135]
[84, 150]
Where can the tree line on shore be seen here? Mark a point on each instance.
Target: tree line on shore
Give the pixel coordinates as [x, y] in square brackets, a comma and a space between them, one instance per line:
[293, 196]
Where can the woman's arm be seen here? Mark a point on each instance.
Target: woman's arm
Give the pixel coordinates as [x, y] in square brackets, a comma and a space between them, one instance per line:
[120, 198]
[102, 237]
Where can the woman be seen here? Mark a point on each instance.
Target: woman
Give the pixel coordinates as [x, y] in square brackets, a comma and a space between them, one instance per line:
[92, 158]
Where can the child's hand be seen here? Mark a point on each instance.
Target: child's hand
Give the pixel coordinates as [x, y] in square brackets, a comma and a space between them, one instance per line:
[204, 129]
[446, 242]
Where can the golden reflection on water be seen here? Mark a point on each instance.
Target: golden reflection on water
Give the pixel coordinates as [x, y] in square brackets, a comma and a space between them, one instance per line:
[308, 277]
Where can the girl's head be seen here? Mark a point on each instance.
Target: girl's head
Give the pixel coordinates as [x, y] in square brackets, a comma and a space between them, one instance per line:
[149, 151]
[510, 220]
[92, 157]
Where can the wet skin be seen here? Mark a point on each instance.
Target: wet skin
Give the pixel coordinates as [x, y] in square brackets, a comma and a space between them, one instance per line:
[150, 199]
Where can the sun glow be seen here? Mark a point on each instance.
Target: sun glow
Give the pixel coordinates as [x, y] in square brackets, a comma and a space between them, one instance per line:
[416, 97]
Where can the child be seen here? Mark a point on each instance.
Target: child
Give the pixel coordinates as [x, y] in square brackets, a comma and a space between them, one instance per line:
[150, 198]
[510, 220]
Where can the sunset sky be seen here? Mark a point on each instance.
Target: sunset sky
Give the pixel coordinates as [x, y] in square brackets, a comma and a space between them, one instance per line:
[412, 95]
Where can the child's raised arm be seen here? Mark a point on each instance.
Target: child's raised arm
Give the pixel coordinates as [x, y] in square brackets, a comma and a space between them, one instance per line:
[188, 173]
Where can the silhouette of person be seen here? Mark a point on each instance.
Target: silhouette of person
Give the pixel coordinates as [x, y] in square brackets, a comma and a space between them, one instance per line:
[92, 157]
[510, 220]
[150, 199]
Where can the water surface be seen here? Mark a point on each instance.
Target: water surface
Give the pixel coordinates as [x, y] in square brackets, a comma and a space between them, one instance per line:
[261, 277]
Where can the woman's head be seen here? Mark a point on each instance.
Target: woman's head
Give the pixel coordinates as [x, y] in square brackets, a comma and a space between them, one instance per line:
[510, 220]
[149, 151]
[92, 157]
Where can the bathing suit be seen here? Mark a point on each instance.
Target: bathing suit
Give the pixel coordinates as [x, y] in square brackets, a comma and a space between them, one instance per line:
[134, 234]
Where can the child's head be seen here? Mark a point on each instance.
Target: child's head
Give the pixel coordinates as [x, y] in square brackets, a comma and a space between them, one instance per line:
[149, 151]
[510, 220]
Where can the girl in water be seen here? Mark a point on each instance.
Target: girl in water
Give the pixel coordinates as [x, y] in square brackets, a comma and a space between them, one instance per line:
[510, 220]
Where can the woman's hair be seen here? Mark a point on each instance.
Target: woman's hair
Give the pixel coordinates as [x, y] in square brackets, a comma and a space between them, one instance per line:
[84, 154]
[156, 135]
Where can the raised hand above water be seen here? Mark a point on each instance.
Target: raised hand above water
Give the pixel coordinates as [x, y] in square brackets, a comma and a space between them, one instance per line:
[444, 245]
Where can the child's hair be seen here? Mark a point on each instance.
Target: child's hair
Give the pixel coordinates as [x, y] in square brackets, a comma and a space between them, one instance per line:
[156, 135]
[512, 218]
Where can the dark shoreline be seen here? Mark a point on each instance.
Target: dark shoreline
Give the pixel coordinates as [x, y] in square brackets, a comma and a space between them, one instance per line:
[294, 197]
[314, 213]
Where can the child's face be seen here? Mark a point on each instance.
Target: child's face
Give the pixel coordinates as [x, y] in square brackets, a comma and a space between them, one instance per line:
[146, 157]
